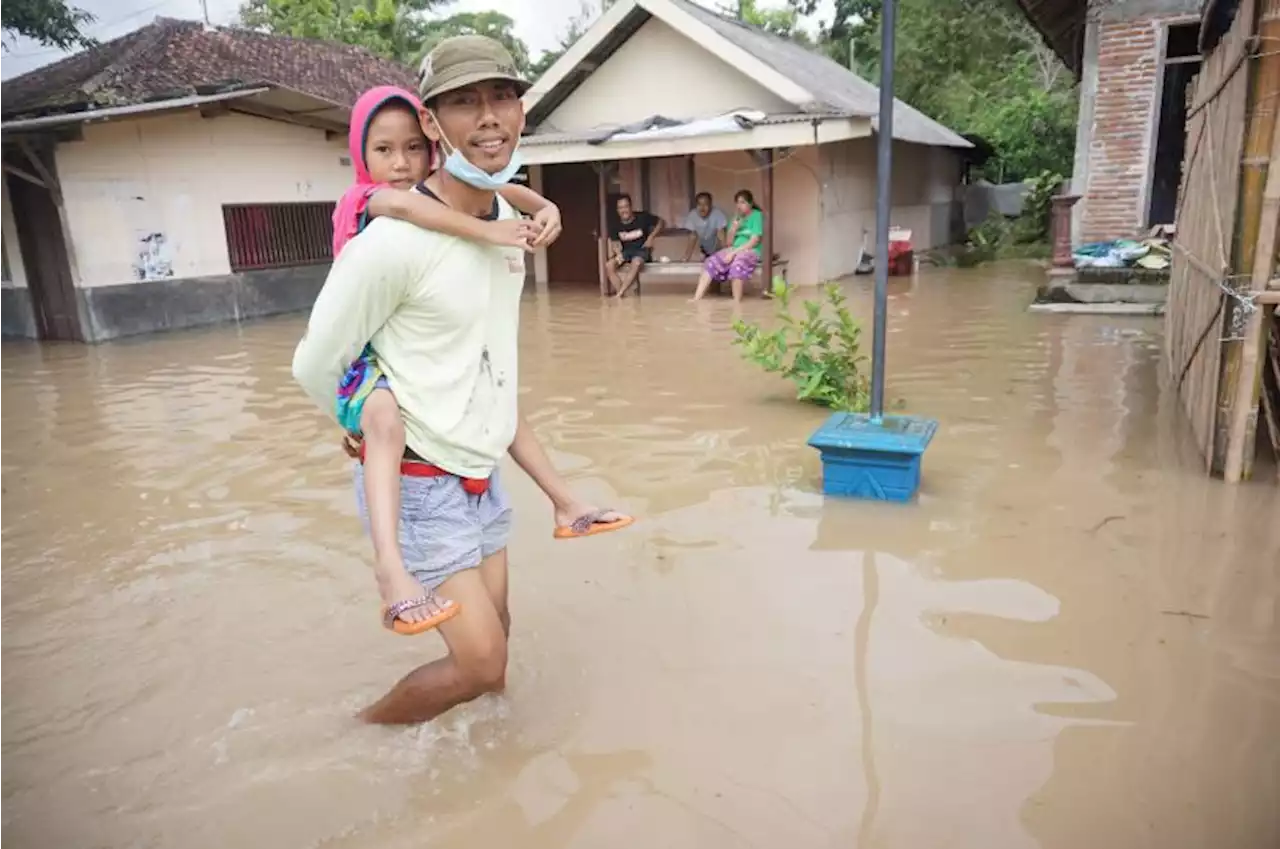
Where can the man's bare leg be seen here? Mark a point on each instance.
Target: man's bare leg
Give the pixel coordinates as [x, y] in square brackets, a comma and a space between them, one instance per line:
[493, 571]
[615, 282]
[630, 274]
[477, 661]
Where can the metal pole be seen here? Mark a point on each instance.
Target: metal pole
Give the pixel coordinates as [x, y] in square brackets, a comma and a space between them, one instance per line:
[884, 206]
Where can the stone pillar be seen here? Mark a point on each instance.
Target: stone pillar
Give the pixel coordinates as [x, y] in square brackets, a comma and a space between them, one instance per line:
[1084, 127]
[1060, 227]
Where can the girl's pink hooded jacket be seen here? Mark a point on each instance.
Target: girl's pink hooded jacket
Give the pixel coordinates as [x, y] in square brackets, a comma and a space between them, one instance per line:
[351, 207]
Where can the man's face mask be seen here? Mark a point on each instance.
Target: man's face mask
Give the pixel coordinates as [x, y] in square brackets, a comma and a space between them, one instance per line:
[463, 169]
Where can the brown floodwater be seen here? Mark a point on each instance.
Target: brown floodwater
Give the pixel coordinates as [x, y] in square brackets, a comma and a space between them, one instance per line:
[1071, 640]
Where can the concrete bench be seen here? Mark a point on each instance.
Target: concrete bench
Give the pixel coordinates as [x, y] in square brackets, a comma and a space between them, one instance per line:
[683, 273]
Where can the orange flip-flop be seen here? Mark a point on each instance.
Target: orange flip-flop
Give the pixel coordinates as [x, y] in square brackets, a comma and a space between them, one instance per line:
[392, 621]
[592, 524]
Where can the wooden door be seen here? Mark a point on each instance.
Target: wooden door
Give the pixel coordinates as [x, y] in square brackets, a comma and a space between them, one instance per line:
[574, 187]
[44, 255]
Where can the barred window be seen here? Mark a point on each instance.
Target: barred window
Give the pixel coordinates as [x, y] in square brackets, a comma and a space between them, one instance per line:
[278, 235]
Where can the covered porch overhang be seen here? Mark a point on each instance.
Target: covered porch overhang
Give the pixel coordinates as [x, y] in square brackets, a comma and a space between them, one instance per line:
[771, 133]
[272, 102]
[761, 137]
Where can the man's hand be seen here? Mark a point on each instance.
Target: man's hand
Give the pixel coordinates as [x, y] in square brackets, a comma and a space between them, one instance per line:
[511, 233]
[547, 220]
[351, 445]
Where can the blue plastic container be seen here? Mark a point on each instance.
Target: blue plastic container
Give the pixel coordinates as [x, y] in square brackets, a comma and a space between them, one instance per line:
[875, 460]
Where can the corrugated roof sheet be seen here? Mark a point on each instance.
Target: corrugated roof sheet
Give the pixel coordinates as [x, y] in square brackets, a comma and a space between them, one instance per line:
[536, 139]
[170, 58]
[837, 88]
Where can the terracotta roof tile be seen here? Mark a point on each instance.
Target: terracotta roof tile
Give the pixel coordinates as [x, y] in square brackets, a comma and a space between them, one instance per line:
[171, 58]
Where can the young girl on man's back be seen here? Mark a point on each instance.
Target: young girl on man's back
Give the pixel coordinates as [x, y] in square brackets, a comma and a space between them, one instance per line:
[391, 155]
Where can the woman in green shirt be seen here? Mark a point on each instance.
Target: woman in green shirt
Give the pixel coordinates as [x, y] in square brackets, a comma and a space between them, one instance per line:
[737, 262]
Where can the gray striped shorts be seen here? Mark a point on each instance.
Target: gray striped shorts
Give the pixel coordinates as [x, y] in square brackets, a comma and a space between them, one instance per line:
[443, 528]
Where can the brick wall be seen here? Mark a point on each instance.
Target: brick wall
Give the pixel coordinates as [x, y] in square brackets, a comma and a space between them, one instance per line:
[1128, 66]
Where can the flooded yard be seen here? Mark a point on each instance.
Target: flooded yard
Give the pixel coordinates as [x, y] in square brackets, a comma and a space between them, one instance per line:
[1070, 641]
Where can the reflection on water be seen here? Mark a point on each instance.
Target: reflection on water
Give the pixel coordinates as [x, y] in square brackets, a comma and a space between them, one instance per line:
[1071, 640]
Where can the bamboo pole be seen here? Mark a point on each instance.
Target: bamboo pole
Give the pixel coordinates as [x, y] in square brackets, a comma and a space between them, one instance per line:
[769, 208]
[602, 223]
[1198, 264]
[1259, 208]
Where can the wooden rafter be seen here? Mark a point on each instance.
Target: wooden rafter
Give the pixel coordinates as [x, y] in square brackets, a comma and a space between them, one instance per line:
[275, 113]
[49, 181]
[24, 175]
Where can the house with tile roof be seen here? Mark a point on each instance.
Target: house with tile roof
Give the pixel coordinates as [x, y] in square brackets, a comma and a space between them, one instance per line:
[175, 176]
[662, 99]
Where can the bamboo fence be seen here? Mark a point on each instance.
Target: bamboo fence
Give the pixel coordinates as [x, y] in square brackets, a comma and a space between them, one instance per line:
[1222, 286]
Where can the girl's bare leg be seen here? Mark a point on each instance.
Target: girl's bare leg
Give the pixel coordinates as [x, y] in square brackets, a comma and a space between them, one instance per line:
[384, 450]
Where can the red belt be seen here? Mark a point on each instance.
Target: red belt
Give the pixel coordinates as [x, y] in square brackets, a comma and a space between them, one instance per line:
[423, 469]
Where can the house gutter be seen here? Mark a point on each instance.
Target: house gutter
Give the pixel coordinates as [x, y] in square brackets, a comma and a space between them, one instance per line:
[127, 111]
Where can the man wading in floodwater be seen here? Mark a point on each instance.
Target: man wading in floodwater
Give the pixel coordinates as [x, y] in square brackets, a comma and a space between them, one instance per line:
[442, 314]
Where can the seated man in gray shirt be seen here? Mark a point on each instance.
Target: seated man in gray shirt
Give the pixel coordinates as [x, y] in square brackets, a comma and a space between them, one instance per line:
[706, 225]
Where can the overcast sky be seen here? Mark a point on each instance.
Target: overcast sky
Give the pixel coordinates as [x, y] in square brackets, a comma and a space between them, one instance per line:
[540, 23]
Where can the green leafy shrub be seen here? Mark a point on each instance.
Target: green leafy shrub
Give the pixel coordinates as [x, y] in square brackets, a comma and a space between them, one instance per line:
[818, 352]
[1033, 224]
[984, 242]
[1024, 237]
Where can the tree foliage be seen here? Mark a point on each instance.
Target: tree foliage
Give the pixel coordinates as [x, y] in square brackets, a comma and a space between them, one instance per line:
[390, 28]
[977, 66]
[404, 30]
[495, 25]
[578, 24]
[784, 22]
[51, 22]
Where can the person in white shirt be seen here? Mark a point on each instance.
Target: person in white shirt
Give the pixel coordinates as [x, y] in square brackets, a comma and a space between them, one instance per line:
[443, 314]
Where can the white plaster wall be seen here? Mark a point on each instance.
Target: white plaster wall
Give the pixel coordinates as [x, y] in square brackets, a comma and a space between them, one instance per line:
[659, 71]
[17, 276]
[172, 174]
[925, 181]
[795, 212]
